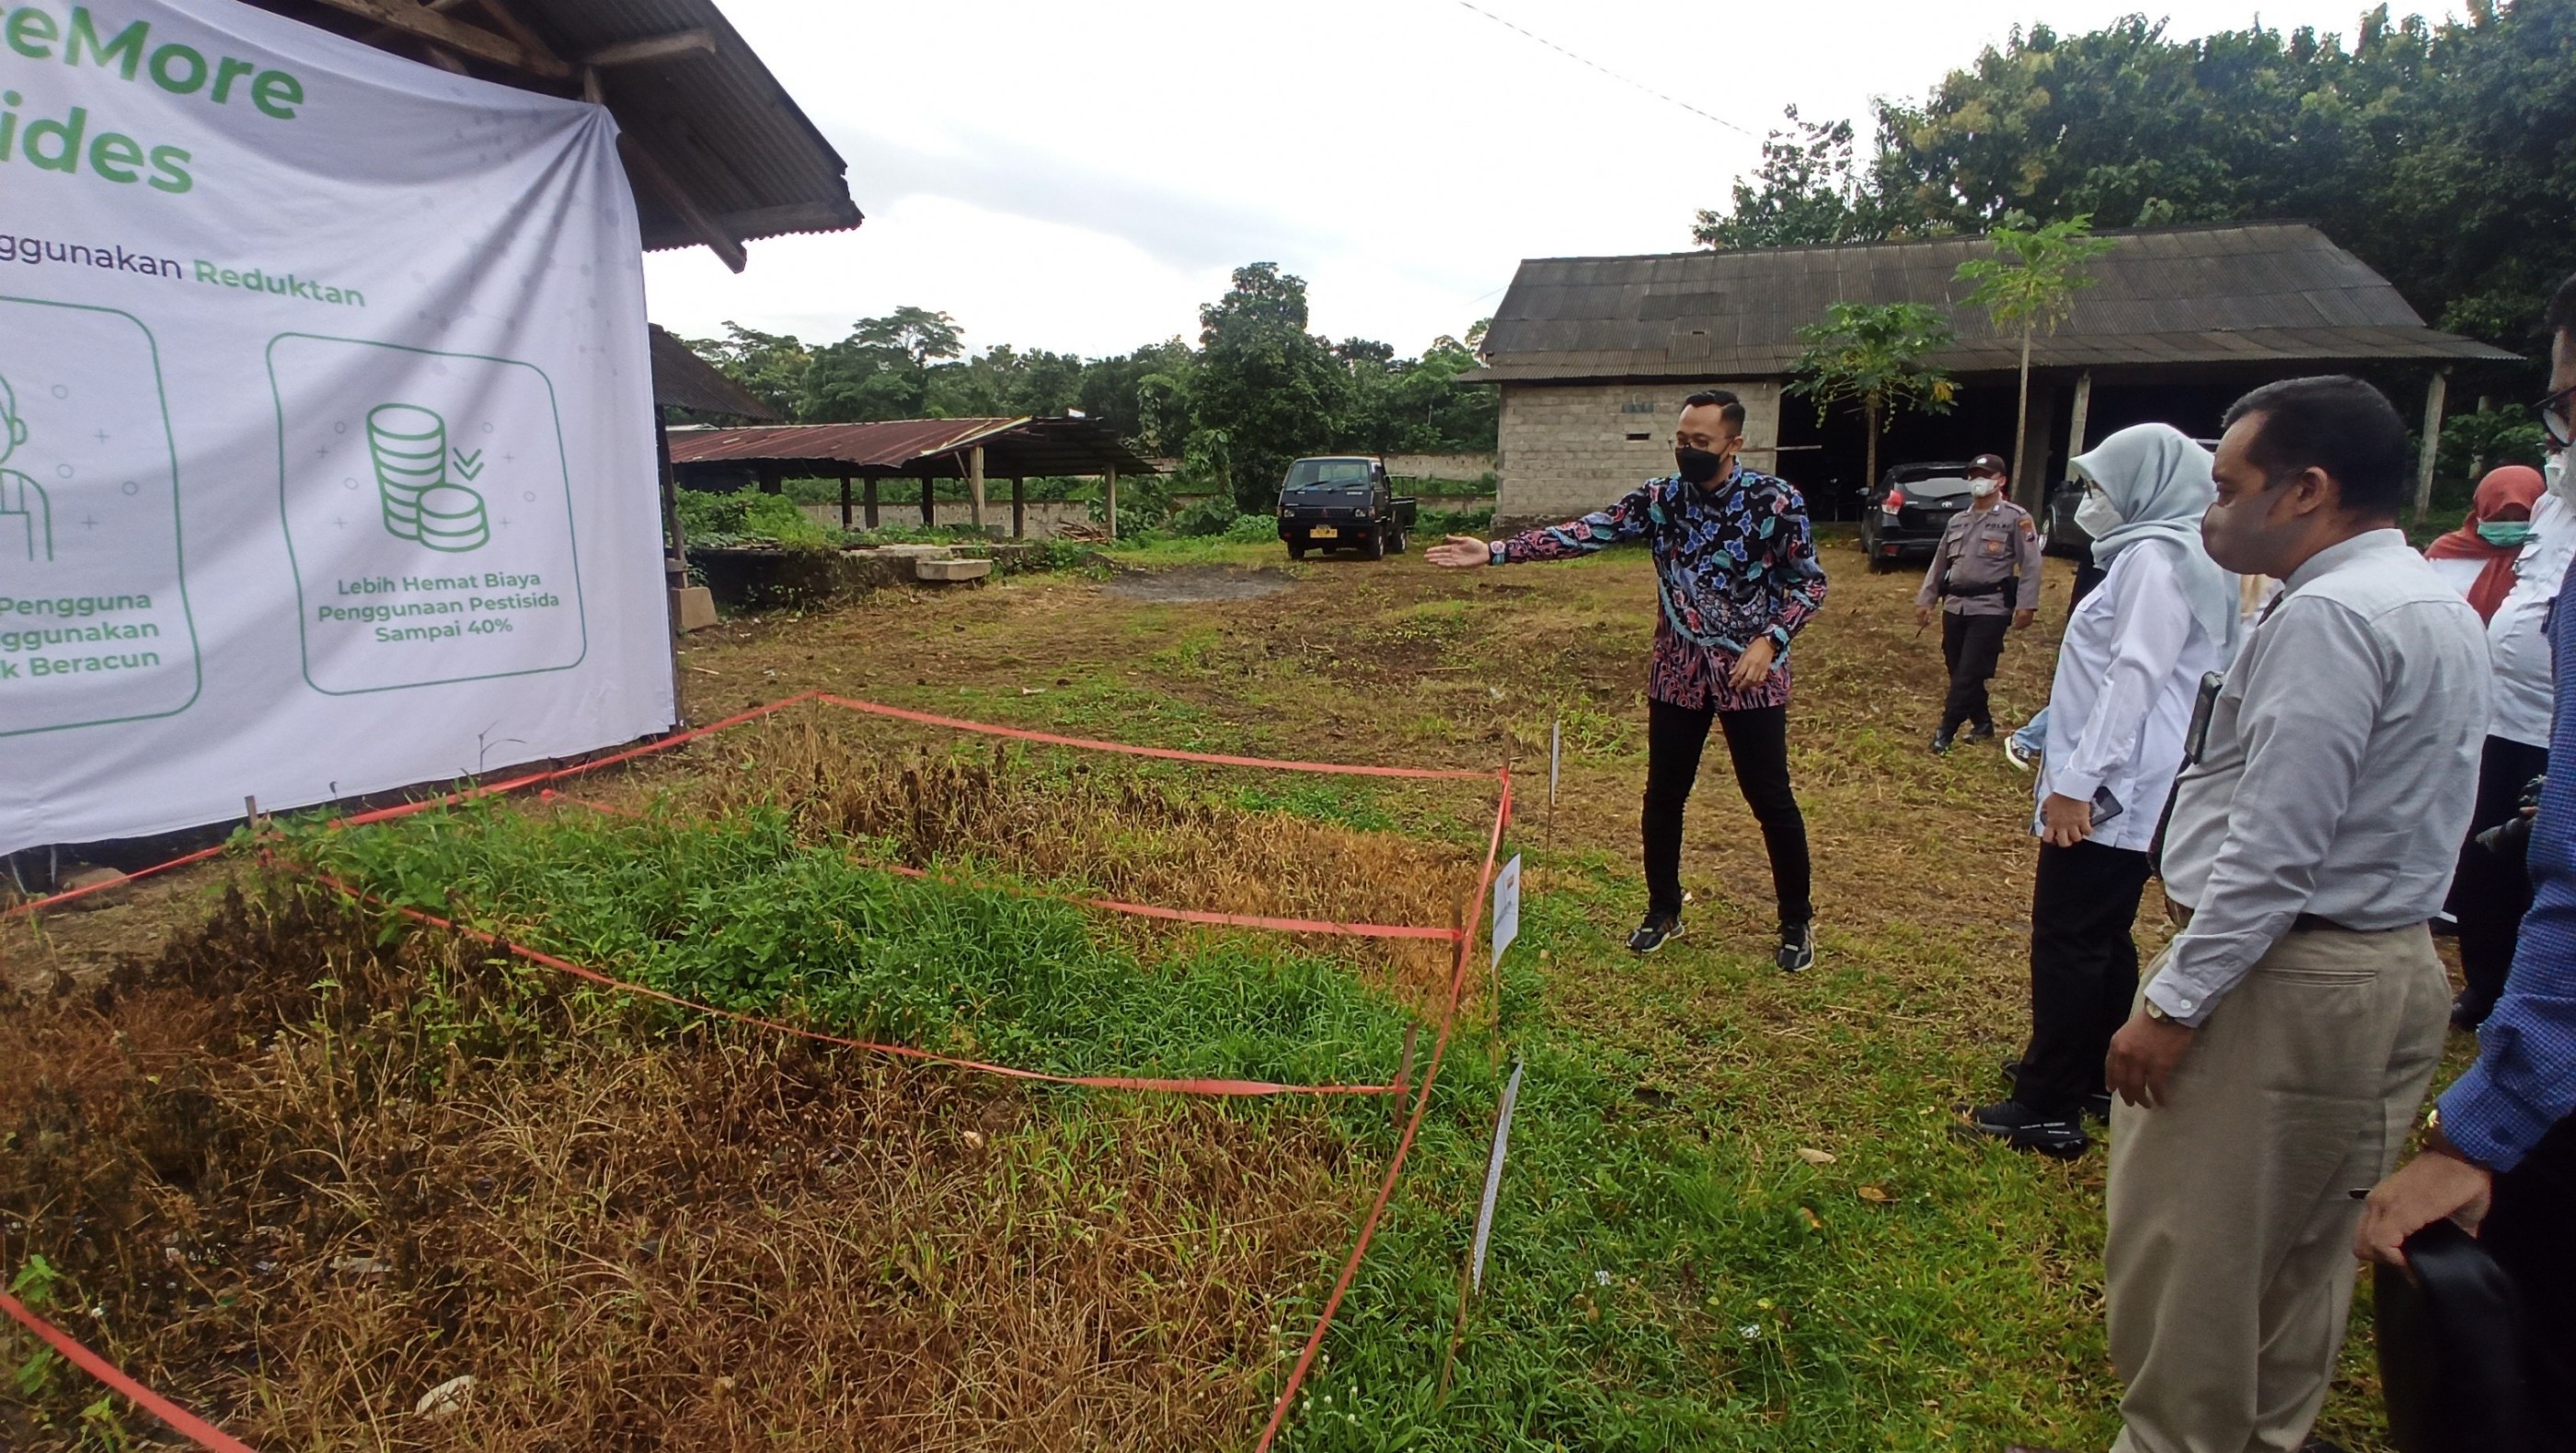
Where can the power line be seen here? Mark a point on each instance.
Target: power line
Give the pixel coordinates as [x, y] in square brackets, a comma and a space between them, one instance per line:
[1624, 80]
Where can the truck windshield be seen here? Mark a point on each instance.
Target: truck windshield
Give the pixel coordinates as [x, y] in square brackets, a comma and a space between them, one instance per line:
[1332, 474]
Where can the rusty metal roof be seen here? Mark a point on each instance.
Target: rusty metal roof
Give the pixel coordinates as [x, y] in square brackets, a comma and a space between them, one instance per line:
[919, 448]
[683, 380]
[2253, 293]
[722, 146]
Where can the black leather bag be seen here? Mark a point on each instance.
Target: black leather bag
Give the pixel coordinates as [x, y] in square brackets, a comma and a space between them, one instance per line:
[2452, 1361]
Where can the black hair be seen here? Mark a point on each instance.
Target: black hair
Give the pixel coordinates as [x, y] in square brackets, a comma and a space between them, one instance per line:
[1729, 407]
[2336, 423]
[2561, 317]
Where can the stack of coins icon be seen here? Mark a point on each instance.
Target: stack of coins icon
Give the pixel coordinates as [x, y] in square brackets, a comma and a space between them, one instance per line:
[409, 447]
[451, 519]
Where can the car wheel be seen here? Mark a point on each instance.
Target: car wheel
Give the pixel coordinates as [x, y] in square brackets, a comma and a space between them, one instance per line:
[1396, 546]
[1296, 551]
[1374, 547]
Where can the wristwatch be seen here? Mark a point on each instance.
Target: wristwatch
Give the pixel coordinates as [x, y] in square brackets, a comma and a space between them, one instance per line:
[2436, 1143]
[2157, 1013]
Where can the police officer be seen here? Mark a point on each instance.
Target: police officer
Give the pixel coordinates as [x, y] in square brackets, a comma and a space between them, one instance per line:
[1984, 576]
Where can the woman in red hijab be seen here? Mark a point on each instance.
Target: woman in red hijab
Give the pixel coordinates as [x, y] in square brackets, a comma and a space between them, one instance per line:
[2489, 892]
[2477, 558]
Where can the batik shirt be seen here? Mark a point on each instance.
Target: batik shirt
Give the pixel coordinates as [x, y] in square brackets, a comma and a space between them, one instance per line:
[1733, 560]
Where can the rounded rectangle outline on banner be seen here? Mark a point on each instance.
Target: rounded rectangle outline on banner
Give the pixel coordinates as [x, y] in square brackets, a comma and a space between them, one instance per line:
[304, 646]
[178, 527]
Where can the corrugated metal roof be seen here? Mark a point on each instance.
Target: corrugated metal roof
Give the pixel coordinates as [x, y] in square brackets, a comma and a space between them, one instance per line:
[681, 379]
[716, 122]
[2256, 292]
[918, 447]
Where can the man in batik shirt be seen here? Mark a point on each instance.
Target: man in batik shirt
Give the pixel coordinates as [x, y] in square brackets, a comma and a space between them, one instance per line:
[1736, 576]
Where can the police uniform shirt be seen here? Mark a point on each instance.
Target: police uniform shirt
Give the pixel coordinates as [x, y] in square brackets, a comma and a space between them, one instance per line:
[1981, 548]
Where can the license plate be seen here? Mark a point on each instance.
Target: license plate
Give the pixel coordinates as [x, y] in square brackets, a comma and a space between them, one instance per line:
[1323, 532]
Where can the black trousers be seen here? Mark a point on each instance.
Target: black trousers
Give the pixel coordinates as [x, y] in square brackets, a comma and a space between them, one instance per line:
[1758, 740]
[2490, 894]
[1970, 645]
[2083, 969]
[2528, 1232]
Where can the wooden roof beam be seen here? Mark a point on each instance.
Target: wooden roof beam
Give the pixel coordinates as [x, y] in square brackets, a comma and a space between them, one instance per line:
[675, 46]
[649, 170]
[422, 23]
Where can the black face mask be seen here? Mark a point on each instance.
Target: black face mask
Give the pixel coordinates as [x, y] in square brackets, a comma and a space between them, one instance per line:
[1698, 465]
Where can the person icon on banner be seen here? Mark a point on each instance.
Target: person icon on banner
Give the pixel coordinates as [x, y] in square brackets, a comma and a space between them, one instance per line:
[26, 515]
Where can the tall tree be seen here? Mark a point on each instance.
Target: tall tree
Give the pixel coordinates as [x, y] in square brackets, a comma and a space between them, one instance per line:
[1806, 192]
[1871, 354]
[771, 366]
[2029, 285]
[1274, 389]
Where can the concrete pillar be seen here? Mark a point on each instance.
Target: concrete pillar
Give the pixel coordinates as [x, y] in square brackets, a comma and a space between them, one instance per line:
[1110, 480]
[869, 486]
[2433, 398]
[975, 486]
[2083, 408]
[1019, 506]
[845, 499]
[929, 517]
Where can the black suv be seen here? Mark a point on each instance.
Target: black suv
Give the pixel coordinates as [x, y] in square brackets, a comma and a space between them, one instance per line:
[1343, 502]
[1910, 508]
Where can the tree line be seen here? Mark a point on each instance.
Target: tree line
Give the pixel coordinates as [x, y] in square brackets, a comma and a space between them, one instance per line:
[1257, 391]
[2435, 152]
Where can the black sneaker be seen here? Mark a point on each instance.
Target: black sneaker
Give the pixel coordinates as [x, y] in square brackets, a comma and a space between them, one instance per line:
[1982, 732]
[1797, 946]
[2022, 1128]
[1941, 743]
[1654, 932]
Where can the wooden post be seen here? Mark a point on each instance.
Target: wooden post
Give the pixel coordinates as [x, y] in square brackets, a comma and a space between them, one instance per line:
[2433, 398]
[1112, 480]
[773, 478]
[1019, 506]
[869, 485]
[928, 516]
[975, 486]
[675, 566]
[845, 498]
[2083, 407]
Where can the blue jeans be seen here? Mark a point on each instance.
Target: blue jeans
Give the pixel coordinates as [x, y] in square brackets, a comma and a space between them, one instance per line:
[2033, 736]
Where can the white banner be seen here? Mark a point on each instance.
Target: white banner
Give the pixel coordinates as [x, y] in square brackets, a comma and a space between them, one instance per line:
[326, 443]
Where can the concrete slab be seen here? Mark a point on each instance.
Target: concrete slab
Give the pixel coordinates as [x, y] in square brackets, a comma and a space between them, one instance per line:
[935, 571]
[694, 608]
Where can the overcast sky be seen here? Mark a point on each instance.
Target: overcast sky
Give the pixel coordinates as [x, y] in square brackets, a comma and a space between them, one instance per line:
[1082, 177]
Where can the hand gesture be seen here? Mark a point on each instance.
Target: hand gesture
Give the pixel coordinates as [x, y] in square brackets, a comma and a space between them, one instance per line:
[1922, 616]
[2065, 821]
[2022, 618]
[1754, 665]
[1459, 552]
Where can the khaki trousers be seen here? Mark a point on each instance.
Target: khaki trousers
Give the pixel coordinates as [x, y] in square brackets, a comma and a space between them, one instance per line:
[2229, 1262]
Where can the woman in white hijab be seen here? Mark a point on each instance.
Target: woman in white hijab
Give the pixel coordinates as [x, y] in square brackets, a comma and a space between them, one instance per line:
[2128, 674]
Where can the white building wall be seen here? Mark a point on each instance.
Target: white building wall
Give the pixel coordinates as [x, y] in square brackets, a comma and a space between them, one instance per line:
[1568, 449]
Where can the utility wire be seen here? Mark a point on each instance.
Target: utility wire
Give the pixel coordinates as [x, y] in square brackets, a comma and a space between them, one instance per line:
[1624, 80]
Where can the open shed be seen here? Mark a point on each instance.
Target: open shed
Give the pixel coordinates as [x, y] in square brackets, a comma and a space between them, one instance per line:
[926, 450]
[1594, 354]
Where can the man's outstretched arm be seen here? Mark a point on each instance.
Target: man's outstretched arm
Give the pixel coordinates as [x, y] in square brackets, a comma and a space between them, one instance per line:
[1625, 520]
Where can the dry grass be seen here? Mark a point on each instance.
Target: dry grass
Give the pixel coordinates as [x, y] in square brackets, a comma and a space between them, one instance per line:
[309, 1177]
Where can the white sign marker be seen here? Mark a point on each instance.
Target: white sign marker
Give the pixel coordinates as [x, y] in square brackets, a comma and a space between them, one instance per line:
[1555, 757]
[1507, 907]
[1494, 1177]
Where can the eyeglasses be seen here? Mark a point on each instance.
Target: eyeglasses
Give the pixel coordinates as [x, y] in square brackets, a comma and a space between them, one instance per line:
[2554, 417]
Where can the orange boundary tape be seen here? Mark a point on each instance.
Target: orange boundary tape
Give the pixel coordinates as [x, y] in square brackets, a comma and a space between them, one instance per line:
[181, 1421]
[1404, 1146]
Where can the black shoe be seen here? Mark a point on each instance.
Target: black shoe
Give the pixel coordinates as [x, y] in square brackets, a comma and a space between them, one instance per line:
[1982, 732]
[2469, 1010]
[1652, 934]
[2022, 1128]
[2012, 1070]
[2097, 1105]
[1797, 946]
[1941, 743]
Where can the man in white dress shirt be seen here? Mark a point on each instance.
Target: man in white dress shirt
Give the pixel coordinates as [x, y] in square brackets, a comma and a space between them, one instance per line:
[2285, 1038]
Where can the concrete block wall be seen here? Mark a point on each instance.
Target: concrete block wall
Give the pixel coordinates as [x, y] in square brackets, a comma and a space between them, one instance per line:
[1568, 449]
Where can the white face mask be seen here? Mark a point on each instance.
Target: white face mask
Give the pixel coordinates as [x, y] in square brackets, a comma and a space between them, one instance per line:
[2096, 516]
[1982, 488]
[2554, 470]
